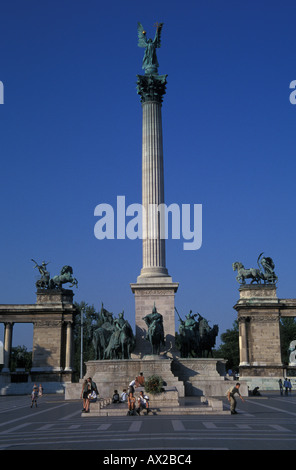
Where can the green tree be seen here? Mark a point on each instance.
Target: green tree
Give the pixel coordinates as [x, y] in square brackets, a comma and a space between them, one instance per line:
[91, 320]
[229, 349]
[20, 358]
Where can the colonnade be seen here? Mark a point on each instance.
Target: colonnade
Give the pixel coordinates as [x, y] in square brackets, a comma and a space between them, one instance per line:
[66, 360]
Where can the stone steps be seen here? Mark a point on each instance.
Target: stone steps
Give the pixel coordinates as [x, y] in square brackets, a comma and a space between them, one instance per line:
[104, 407]
[165, 411]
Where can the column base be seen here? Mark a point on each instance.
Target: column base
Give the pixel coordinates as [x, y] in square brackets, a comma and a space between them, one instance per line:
[158, 291]
[153, 273]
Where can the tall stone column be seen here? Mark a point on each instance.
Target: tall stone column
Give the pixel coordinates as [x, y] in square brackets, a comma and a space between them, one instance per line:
[154, 285]
[154, 262]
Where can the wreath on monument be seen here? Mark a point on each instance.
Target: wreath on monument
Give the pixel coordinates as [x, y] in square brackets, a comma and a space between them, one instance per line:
[154, 384]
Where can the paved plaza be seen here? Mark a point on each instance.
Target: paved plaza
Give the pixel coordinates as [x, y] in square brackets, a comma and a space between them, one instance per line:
[267, 422]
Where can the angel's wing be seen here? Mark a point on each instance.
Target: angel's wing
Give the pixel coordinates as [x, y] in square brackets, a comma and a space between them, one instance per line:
[158, 35]
[142, 41]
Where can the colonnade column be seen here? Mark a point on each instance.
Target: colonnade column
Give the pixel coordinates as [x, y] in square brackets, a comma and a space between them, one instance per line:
[69, 347]
[243, 342]
[7, 346]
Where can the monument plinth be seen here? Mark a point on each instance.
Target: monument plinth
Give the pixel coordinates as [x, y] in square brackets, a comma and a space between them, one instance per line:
[259, 312]
[259, 333]
[154, 286]
[52, 316]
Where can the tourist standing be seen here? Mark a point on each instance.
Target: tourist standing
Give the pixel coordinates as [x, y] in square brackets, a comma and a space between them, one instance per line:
[281, 386]
[84, 395]
[286, 385]
[231, 392]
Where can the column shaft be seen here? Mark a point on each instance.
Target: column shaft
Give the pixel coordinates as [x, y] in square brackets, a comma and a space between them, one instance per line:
[243, 343]
[7, 346]
[154, 263]
[68, 361]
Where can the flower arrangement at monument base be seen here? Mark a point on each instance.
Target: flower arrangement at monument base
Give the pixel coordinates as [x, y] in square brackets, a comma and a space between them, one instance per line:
[154, 384]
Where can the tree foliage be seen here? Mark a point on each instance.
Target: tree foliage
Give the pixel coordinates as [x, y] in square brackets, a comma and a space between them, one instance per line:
[20, 357]
[91, 321]
[229, 349]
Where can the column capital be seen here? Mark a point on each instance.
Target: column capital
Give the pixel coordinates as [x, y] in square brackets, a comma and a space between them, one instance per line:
[151, 87]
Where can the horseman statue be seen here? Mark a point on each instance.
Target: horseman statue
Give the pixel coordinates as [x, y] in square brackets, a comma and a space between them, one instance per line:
[114, 338]
[265, 272]
[122, 341]
[188, 338]
[196, 338]
[155, 334]
[102, 332]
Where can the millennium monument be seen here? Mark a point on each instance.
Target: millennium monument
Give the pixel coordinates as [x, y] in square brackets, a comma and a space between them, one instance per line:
[154, 350]
[181, 360]
[154, 287]
[119, 355]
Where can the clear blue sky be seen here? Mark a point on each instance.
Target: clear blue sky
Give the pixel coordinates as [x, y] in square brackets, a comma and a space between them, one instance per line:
[70, 139]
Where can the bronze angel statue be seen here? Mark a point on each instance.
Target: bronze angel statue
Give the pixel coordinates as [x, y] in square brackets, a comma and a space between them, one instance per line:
[150, 63]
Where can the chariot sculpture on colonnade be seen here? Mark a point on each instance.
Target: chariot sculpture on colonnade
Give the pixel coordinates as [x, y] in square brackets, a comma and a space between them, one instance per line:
[265, 272]
[46, 282]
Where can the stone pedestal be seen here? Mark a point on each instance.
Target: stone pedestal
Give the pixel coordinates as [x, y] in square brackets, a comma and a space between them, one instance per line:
[161, 293]
[52, 337]
[259, 312]
[204, 377]
[111, 375]
[198, 378]
[52, 317]
[259, 333]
